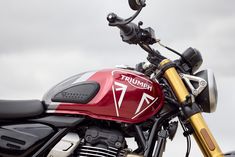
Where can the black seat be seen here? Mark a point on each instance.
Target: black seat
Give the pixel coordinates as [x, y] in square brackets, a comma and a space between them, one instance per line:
[13, 109]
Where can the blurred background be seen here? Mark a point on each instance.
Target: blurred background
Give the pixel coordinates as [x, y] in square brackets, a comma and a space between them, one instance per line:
[43, 42]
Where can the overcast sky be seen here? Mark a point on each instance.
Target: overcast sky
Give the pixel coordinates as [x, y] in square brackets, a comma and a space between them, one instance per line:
[45, 41]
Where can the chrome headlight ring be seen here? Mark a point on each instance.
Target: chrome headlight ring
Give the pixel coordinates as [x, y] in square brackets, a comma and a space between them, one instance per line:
[209, 96]
[203, 86]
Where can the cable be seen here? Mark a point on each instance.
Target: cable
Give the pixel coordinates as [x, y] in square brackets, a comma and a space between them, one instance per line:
[147, 48]
[170, 49]
[188, 140]
[188, 146]
[172, 101]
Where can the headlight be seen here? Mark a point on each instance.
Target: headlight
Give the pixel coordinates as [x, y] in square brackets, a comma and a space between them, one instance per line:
[208, 97]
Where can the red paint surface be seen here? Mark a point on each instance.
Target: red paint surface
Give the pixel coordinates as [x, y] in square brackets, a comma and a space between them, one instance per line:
[103, 105]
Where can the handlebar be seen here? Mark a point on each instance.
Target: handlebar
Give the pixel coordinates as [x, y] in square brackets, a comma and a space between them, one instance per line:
[128, 32]
[115, 20]
[133, 34]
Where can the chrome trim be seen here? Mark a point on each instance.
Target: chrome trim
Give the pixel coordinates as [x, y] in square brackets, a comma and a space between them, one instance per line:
[66, 146]
[52, 105]
[213, 95]
[113, 148]
[50, 111]
[84, 153]
[99, 149]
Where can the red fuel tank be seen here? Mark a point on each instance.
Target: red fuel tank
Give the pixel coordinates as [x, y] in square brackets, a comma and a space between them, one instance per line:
[110, 94]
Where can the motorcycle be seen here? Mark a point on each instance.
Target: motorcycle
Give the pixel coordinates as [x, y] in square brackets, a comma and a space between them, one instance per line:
[93, 113]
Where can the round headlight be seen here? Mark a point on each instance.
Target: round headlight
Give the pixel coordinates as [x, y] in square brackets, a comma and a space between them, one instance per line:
[208, 97]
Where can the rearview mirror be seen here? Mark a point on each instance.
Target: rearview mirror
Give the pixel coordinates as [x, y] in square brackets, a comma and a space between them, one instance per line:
[136, 4]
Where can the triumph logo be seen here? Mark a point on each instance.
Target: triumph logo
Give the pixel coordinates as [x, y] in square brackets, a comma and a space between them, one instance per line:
[137, 83]
[118, 87]
[146, 99]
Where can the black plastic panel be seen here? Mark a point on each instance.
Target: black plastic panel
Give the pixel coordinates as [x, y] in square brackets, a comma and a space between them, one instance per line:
[81, 93]
[21, 139]
[59, 121]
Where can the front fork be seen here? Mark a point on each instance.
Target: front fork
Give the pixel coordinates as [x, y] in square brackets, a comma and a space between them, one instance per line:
[201, 132]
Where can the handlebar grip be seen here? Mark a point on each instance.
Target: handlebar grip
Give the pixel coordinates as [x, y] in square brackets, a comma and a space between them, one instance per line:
[114, 19]
[117, 21]
[128, 31]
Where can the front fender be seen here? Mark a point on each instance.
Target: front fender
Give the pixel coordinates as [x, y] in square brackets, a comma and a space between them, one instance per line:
[230, 154]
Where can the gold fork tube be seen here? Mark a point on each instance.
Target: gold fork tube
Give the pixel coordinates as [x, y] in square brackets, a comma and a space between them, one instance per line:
[202, 133]
[204, 137]
[175, 82]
